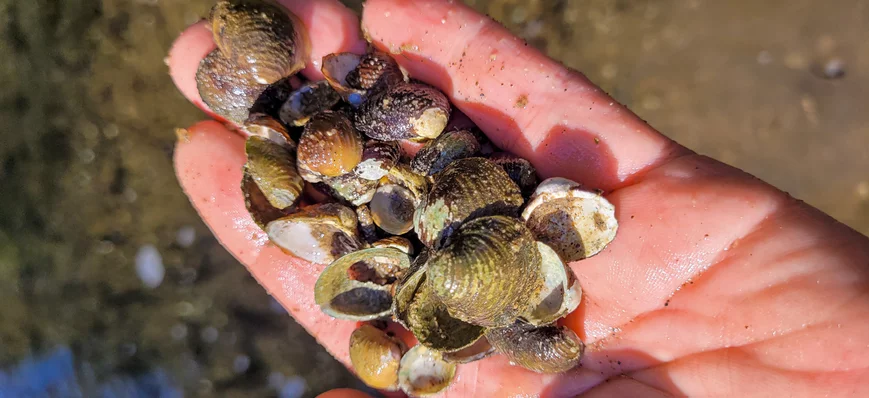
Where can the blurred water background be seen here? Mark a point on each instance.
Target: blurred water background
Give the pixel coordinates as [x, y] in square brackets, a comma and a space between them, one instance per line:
[777, 87]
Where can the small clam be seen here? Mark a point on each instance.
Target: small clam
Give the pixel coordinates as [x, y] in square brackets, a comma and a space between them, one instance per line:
[355, 76]
[228, 90]
[258, 205]
[404, 111]
[319, 233]
[358, 286]
[464, 190]
[545, 349]
[561, 291]
[490, 272]
[272, 167]
[396, 242]
[348, 188]
[262, 125]
[396, 200]
[378, 158]
[424, 372]
[304, 102]
[428, 319]
[520, 171]
[475, 352]
[366, 224]
[376, 356]
[329, 147]
[443, 150]
[575, 222]
[260, 36]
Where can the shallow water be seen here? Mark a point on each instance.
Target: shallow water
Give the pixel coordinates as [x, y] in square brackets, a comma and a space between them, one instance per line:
[86, 183]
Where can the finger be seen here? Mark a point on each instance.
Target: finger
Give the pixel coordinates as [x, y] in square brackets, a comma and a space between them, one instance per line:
[343, 393]
[332, 27]
[526, 102]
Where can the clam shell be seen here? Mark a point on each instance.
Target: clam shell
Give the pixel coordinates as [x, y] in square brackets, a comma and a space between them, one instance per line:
[357, 76]
[263, 125]
[424, 372]
[306, 101]
[396, 242]
[378, 158]
[404, 111]
[561, 291]
[466, 189]
[576, 223]
[490, 272]
[358, 286]
[392, 208]
[228, 90]
[272, 167]
[520, 170]
[443, 150]
[475, 352]
[545, 349]
[258, 205]
[428, 319]
[366, 224]
[319, 233]
[262, 37]
[329, 147]
[349, 189]
[376, 357]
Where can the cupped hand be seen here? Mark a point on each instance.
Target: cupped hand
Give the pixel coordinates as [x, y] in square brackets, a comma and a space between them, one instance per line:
[716, 285]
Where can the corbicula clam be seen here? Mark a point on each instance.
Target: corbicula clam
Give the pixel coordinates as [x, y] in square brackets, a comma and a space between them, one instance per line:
[319, 233]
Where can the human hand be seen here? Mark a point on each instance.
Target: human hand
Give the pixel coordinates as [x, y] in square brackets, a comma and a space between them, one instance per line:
[717, 283]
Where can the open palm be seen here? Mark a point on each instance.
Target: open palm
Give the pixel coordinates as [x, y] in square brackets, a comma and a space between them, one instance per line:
[717, 284]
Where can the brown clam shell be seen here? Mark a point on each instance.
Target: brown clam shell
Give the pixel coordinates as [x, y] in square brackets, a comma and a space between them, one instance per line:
[228, 90]
[443, 150]
[404, 111]
[263, 125]
[329, 147]
[490, 272]
[258, 205]
[545, 349]
[357, 77]
[376, 356]
[272, 167]
[261, 37]
[466, 189]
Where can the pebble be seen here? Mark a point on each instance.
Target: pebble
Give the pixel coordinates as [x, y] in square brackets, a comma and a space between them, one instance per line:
[294, 387]
[209, 334]
[149, 266]
[241, 364]
[186, 236]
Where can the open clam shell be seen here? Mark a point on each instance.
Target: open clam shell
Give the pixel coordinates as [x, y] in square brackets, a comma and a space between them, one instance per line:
[319, 233]
[396, 242]
[575, 222]
[356, 76]
[358, 286]
[260, 36]
[544, 349]
[396, 199]
[272, 167]
[306, 101]
[466, 189]
[490, 272]
[443, 150]
[561, 292]
[263, 125]
[404, 111]
[424, 372]
[376, 357]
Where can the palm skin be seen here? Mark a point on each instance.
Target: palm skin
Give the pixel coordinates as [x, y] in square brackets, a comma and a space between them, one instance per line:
[716, 285]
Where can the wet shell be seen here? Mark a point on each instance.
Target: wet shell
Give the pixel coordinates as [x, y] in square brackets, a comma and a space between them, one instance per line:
[366, 224]
[424, 372]
[319, 233]
[396, 200]
[376, 357]
[349, 189]
[329, 147]
[264, 38]
[396, 242]
[475, 352]
[262, 125]
[272, 167]
[546, 349]
[228, 90]
[378, 158]
[466, 189]
[520, 171]
[306, 101]
[576, 223]
[561, 291]
[355, 76]
[428, 319]
[443, 150]
[358, 286]
[404, 111]
[489, 274]
[257, 204]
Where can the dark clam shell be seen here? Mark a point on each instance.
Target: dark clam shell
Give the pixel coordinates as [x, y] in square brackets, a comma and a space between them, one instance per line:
[258, 206]
[228, 90]
[378, 158]
[357, 77]
[262, 125]
[520, 170]
[546, 349]
[404, 111]
[306, 101]
[447, 148]
[261, 37]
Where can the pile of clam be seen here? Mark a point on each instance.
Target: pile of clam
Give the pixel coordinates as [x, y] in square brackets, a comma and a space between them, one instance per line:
[457, 242]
